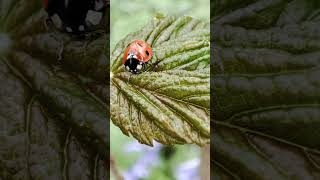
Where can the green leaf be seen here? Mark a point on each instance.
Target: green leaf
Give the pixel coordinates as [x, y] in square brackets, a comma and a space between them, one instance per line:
[265, 77]
[53, 111]
[170, 101]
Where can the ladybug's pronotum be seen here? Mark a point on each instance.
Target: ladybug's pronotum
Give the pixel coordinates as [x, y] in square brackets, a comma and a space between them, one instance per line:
[75, 16]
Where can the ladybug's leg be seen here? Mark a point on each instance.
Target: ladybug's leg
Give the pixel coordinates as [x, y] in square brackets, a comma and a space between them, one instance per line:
[129, 77]
[149, 66]
[60, 53]
[48, 23]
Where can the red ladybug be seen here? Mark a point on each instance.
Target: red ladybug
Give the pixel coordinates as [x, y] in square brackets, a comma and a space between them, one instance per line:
[136, 55]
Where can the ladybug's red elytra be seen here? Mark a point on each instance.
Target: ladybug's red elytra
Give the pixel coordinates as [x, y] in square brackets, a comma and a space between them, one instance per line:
[75, 16]
[136, 55]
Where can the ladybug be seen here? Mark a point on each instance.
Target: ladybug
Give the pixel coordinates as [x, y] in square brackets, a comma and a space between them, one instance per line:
[75, 16]
[136, 55]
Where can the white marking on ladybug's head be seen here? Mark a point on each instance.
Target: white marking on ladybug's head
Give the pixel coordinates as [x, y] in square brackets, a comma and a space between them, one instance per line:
[68, 29]
[132, 55]
[127, 67]
[139, 67]
[56, 20]
[93, 17]
[81, 28]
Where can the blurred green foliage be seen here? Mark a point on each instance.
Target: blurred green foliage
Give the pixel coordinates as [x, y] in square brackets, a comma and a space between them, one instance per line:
[128, 16]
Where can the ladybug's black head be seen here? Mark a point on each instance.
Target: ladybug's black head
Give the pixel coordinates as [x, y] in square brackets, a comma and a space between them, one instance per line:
[76, 16]
[133, 65]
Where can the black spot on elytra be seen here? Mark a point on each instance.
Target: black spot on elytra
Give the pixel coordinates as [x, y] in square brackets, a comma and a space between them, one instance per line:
[147, 52]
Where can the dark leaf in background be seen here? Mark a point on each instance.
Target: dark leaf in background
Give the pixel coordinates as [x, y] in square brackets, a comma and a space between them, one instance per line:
[266, 89]
[53, 98]
[170, 101]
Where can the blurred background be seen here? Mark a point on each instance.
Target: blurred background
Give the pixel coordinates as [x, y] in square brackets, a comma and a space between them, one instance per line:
[128, 16]
[135, 161]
